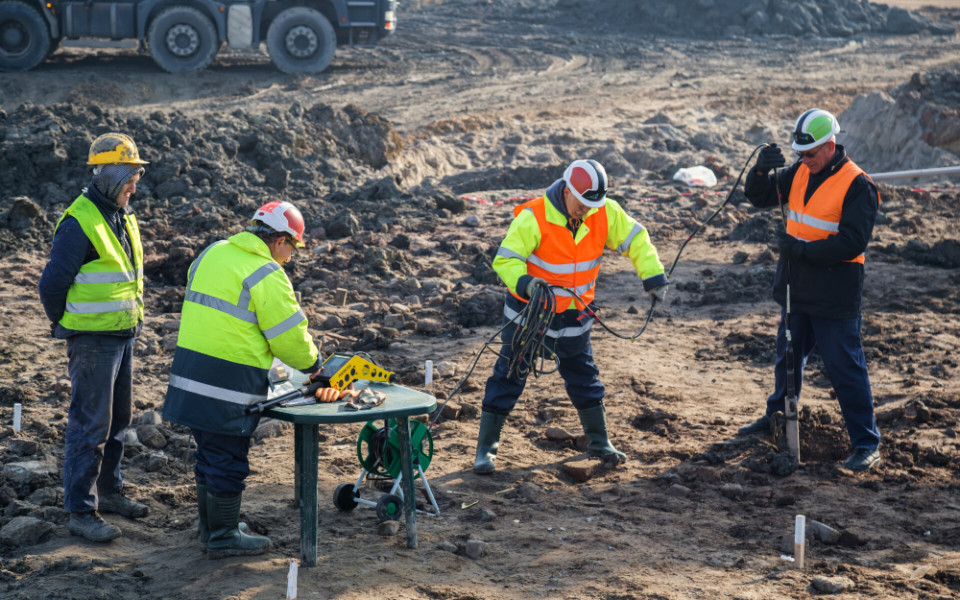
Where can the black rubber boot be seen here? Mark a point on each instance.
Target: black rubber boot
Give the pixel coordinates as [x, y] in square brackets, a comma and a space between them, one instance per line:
[488, 440]
[202, 526]
[226, 539]
[594, 421]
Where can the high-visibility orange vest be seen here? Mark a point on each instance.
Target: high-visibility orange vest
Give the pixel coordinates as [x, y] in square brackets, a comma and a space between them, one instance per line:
[560, 261]
[819, 218]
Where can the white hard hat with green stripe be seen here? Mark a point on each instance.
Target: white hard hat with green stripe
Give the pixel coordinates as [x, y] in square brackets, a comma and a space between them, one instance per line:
[814, 127]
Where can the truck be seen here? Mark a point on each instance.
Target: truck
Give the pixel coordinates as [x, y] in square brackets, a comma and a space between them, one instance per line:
[184, 36]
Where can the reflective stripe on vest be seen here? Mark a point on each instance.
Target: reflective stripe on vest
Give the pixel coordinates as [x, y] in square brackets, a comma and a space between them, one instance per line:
[241, 310]
[819, 218]
[212, 391]
[511, 314]
[563, 262]
[107, 293]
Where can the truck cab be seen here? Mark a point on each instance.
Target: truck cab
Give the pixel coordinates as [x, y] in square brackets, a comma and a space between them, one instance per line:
[183, 36]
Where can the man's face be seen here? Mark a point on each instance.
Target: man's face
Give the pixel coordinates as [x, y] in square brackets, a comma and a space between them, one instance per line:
[818, 158]
[575, 208]
[128, 189]
[282, 249]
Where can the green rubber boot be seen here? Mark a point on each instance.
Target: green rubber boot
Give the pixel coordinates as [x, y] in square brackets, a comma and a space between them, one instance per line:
[488, 440]
[594, 421]
[202, 526]
[226, 539]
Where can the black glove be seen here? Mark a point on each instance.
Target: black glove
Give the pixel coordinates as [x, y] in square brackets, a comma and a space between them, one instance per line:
[53, 329]
[790, 247]
[532, 285]
[770, 158]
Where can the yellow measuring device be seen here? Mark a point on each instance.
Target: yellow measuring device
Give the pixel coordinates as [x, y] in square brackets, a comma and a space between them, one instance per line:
[344, 369]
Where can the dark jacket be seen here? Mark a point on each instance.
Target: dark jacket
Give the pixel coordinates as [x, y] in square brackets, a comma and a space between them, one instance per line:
[821, 284]
[71, 250]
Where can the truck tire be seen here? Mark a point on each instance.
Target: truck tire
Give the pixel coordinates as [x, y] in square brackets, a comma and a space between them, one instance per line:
[24, 37]
[301, 40]
[182, 40]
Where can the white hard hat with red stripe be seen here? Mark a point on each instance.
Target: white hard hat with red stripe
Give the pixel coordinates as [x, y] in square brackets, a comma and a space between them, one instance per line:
[281, 217]
[587, 181]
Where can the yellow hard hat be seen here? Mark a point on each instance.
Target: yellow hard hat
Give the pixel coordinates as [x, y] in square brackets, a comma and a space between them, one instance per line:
[112, 148]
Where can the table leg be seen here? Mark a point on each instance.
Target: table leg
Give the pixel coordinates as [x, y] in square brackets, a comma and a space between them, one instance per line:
[297, 460]
[406, 469]
[308, 449]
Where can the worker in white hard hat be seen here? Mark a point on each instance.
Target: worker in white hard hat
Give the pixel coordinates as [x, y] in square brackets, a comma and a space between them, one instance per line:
[831, 208]
[558, 241]
[239, 312]
[92, 292]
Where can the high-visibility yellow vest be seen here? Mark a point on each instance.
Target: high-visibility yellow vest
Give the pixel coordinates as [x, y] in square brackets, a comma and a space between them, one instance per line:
[239, 312]
[107, 293]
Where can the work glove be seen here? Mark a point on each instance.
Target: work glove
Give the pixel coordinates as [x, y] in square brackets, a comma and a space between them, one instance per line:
[790, 247]
[53, 329]
[532, 285]
[770, 158]
[659, 293]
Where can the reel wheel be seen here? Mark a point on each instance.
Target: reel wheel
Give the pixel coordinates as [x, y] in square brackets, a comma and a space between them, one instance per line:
[344, 498]
[389, 507]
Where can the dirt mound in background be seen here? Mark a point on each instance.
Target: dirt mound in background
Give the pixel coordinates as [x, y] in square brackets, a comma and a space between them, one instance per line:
[714, 18]
[203, 171]
[915, 126]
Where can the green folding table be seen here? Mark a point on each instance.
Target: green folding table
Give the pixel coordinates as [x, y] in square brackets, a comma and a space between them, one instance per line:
[400, 404]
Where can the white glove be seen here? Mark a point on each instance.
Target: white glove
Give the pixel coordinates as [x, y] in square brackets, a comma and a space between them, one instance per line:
[659, 293]
[532, 285]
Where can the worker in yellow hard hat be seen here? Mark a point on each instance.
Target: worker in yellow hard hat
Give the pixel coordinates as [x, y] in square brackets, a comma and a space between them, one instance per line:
[92, 292]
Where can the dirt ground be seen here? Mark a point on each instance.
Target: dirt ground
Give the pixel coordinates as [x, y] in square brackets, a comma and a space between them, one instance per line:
[470, 106]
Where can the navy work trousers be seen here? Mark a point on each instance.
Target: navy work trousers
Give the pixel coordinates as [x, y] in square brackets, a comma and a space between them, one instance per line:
[580, 374]
[838, 341]
[222, 463]
[101, 384]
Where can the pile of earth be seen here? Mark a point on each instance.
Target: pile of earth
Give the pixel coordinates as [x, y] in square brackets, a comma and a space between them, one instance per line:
[914, 126]
[710, 18]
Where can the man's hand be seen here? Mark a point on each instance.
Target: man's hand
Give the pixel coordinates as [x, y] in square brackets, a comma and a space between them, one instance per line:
[532, 285]
[770, 158]
[659, 293]
[790, 247]
[53, 329]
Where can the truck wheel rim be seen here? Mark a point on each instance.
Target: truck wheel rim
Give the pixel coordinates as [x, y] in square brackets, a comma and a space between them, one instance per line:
[301, 41]
[183, 40]
[13, 37]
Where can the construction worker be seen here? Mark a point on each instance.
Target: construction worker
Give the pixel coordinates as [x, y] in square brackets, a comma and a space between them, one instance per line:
[557, 240]
[239, 312]
[831, 209]
[92, 292]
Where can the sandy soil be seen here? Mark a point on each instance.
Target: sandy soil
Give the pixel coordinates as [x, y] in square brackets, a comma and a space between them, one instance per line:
[493, 109]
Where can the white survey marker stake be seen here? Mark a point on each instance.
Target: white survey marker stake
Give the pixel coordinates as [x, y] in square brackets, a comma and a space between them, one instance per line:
[799, 539]
[17, 415]
[292, 580]
[428, 373]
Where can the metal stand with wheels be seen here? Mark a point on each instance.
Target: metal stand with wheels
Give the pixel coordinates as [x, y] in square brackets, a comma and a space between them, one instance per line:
[379, 451]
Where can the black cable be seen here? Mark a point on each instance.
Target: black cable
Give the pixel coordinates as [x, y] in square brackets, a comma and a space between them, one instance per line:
[696, 232]
[528, 344]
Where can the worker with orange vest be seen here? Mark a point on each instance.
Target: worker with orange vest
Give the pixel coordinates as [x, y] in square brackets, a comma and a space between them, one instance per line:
[831, 209]
[557, 240]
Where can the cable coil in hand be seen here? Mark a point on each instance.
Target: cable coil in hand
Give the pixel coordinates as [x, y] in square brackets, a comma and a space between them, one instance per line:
[527, 345]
